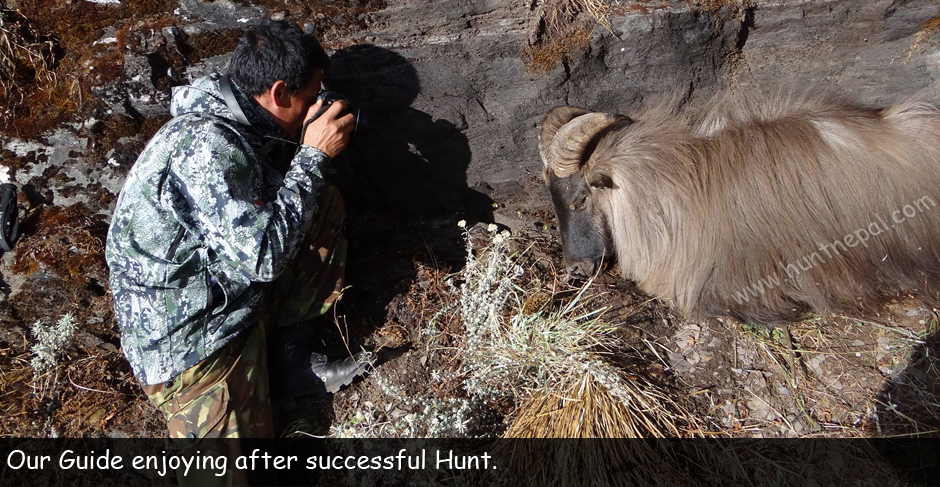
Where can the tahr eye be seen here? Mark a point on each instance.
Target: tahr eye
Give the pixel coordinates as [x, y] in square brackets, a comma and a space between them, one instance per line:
[578, 204]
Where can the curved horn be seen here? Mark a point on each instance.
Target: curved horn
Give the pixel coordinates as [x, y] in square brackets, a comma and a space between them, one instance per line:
[554, 120]
[565, 153]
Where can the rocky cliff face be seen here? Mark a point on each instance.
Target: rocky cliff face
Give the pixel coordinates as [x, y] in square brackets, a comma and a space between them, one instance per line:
[465, 68]
[464, 58]
[453, 104]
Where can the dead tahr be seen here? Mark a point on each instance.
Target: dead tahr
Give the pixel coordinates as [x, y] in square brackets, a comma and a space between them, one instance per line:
[759, 208]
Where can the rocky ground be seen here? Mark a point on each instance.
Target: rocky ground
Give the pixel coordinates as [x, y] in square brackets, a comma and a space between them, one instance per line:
[454, 90]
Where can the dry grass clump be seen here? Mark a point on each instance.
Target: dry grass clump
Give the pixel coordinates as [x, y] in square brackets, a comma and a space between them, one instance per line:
[734, 8]
[27, 58]
[589, 409]
[562, 26]
[602, 404]
[54, 83]
[68, 242]
[506, 350]
[599, 9]
[521, 348]
[551, 363]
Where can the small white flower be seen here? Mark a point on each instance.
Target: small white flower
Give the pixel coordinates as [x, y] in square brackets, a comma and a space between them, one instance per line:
[492, 228]
[462, 224]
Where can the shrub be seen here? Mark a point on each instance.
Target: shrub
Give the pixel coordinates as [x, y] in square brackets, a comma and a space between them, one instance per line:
[51, 341]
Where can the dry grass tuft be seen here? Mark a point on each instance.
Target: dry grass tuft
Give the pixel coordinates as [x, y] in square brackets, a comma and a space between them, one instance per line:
[587, 410]
[67, 241]
[544, 56]
[562, 27]
[26, 58]
[598, 9]
[734, 8]
[538, 353]
[602, 404]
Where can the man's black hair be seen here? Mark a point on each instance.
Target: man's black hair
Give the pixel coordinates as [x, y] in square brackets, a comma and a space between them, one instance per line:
[275, 50]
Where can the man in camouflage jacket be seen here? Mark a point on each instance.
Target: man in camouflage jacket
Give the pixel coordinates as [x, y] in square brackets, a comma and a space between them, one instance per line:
[216, 208]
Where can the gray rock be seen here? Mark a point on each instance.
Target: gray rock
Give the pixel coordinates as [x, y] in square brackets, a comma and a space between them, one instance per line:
[473, 78]
[679, 363]
[815, 365]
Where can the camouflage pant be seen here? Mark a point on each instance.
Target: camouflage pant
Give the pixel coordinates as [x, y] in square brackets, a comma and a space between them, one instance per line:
[227, 395]
[308, 289]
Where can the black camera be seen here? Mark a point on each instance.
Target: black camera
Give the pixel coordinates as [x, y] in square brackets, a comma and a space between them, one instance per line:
[328, 98]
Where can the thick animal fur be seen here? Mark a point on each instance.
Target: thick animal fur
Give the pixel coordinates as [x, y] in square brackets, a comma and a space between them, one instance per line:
[706, 212]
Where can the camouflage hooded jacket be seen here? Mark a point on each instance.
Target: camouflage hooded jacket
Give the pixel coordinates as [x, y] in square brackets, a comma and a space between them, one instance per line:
[204, 219]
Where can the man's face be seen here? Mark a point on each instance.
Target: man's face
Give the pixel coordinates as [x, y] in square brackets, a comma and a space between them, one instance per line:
[298, 104]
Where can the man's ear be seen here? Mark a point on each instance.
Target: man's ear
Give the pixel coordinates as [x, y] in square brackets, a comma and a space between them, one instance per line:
[600, 180]
[280, 93]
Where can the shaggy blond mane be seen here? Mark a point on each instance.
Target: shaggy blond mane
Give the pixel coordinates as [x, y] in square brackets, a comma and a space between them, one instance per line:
[706, 209]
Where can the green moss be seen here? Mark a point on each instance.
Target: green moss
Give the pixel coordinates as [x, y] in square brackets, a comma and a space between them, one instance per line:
[767, 334]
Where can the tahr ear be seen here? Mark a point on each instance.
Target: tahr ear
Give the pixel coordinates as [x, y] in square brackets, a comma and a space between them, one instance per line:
[600, 180]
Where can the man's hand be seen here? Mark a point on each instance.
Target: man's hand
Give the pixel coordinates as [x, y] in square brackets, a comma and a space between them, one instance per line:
[330, 132]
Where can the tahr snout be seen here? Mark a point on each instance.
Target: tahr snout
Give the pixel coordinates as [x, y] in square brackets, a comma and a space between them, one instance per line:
[583, 269]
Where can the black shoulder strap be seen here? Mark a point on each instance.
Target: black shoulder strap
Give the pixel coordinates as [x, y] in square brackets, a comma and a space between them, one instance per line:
[9, 217]
[225, 87]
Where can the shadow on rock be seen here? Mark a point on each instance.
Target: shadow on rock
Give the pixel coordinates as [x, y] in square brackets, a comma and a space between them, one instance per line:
[404, 178]
[405, 162]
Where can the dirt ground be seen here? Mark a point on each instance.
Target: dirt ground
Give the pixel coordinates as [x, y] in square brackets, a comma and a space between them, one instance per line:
[833, 376]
